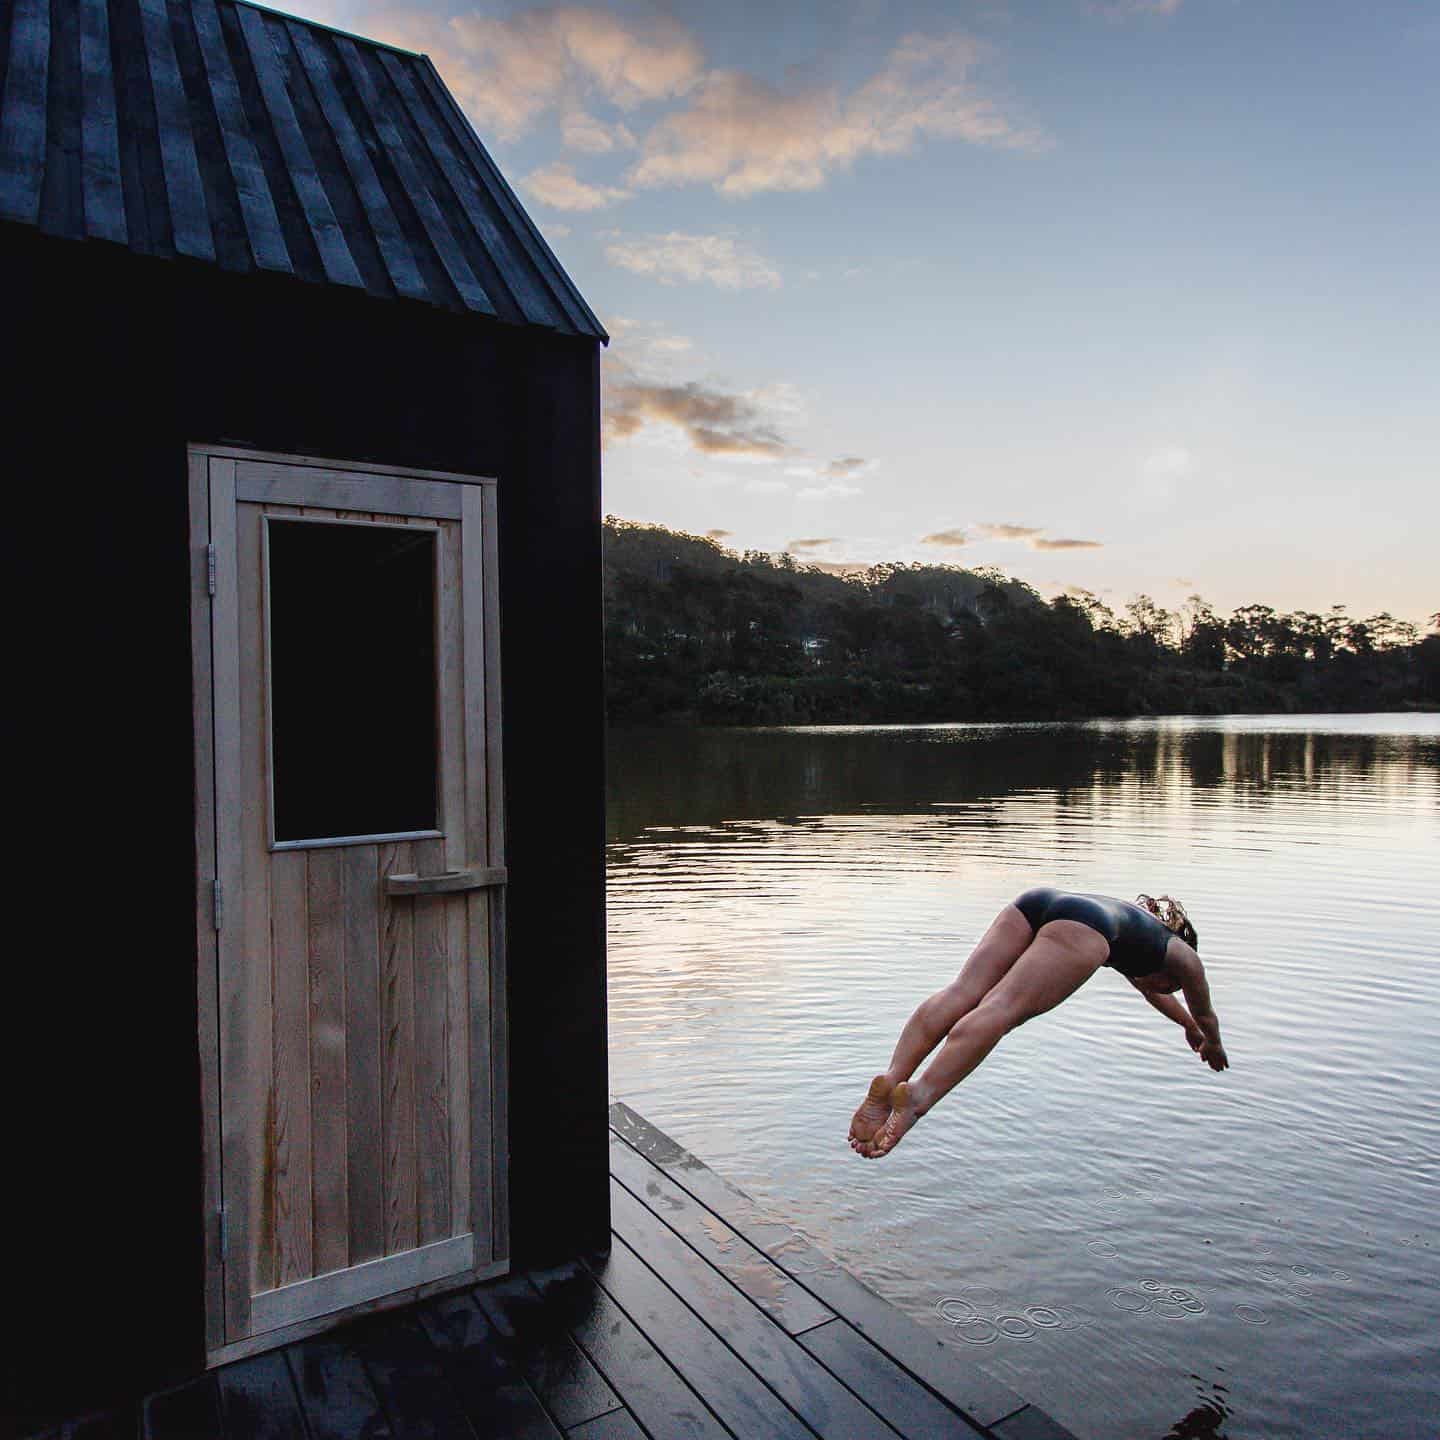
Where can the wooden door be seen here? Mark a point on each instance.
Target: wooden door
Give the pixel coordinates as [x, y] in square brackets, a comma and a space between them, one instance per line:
[353, 844]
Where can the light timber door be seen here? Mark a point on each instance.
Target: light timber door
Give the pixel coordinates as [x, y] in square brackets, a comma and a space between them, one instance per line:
[350, 854]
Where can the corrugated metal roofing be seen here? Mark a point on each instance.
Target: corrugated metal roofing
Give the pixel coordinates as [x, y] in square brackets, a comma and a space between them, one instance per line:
[233, 134]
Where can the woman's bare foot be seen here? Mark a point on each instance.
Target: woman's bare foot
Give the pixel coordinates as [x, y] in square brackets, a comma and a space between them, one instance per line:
[904, 1112]
[873, 1112]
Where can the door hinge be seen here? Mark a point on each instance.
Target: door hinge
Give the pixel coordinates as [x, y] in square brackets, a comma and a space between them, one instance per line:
[219, 906]
[223, 1220]
[210, 568]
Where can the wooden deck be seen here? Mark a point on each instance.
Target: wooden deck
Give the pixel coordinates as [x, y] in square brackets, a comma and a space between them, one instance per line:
[707, 1319]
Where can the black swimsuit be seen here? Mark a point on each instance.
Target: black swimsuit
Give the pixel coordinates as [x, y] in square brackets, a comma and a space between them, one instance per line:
[1138, 941]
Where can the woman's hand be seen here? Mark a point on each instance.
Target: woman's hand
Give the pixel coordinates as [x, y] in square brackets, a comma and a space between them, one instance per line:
[1212, 1052]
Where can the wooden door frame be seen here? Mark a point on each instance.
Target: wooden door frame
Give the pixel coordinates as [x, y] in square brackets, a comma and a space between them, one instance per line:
[215, 662]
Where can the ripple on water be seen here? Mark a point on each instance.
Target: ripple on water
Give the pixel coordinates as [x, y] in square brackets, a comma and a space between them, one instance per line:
[978, 1331]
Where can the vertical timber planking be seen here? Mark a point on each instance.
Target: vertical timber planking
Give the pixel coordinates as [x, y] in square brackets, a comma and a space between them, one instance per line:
[432, 1109]
[330, 1173]
[486, 1197]
[365, 1045]
[275, 925]
[365, 1154]
[251, 1090]
[207, 974]
[239, 1055]
[289, 1145]
[397, 1053]
[451, 649]
[497, 1012]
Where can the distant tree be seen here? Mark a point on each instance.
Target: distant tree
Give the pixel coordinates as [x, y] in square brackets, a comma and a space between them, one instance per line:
[1100, 615]
[1337, 622]
[1247, 630]
[1359, 637]
[1314, 635]
[1150, 621]
[1388, 633]
[991, 602]
[1427, 663]
[1202, 634]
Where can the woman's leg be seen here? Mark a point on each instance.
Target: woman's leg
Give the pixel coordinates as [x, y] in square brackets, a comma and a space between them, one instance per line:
[1063, 956]
[999, 948]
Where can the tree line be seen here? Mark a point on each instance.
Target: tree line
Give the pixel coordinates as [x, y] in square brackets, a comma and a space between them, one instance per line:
[696, 633]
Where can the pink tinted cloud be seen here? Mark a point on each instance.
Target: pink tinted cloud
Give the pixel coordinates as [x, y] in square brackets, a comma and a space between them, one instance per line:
[507, 71]
[742, 135]
[715, 421]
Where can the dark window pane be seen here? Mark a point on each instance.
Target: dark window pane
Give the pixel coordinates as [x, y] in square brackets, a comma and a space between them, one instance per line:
[352, 679]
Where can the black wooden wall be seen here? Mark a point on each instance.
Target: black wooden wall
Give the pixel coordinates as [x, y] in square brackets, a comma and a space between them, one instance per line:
[112, 364]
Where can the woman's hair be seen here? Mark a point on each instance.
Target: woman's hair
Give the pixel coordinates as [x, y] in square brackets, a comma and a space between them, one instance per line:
[1171, 914]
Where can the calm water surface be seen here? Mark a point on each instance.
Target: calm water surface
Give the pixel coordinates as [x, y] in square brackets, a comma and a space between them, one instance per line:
[1140, 1246]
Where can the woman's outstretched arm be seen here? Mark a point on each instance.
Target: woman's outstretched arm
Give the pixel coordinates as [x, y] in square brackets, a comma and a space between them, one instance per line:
[1172, 1009]
[1191, 973]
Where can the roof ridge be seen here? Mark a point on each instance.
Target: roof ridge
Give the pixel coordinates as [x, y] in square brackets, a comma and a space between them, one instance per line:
[369, 40]
[248, 138]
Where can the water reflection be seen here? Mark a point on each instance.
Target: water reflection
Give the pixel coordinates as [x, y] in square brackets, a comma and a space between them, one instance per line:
[706, 777]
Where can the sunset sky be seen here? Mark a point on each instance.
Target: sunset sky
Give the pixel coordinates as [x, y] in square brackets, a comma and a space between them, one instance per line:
[1129, 295]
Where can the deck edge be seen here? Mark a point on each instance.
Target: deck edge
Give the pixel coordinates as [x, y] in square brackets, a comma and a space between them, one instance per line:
[957, 1380]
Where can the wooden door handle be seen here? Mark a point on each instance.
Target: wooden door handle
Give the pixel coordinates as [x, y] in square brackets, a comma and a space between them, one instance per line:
[446, 882]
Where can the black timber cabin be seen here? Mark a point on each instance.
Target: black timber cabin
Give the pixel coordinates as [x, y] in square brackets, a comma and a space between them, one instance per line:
[301, 428]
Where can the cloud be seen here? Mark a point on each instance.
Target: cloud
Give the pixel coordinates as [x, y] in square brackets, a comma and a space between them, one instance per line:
[506, 72]
[811, 544]
[850, 465]
[582, 131]
[715, 421]
[556, 229]
[642, 342]
[557, 185]
[1031, 535]
[1008, 532]
[742, 135]
[719, 534]
[677, 256]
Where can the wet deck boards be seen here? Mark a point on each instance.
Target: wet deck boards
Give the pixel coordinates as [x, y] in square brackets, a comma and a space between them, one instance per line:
[706, 1319]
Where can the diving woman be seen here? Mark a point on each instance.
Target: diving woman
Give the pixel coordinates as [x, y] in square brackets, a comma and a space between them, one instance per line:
[1039, 950]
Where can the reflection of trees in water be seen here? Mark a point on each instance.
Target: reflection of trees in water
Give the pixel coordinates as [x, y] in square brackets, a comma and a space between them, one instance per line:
[704, 777]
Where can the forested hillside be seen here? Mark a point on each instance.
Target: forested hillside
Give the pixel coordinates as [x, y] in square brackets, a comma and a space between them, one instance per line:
[695, 633]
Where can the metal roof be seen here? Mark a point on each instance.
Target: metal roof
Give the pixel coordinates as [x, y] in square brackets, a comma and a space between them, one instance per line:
[233, 134]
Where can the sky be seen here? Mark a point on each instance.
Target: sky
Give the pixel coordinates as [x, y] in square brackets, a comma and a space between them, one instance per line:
[1128, 296]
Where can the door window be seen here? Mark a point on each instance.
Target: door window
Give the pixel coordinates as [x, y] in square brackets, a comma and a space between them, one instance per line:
[351, 649]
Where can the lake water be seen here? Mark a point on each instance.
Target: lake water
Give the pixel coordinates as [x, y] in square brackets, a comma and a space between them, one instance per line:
[1140, 1246]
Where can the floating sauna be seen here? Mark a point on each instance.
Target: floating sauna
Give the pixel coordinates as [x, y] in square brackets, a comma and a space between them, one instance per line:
[301, 420]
